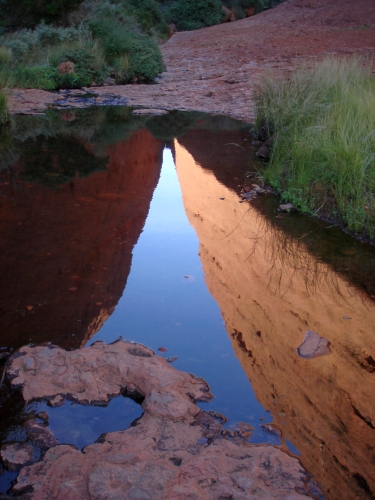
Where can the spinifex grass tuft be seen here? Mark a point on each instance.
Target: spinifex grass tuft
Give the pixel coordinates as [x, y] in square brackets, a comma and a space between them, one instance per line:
[323, 152]
[4, 112]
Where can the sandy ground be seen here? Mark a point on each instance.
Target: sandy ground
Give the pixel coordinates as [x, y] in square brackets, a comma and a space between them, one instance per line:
[216, 69]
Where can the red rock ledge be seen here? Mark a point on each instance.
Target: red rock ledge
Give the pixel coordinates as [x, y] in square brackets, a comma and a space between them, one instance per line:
[176, 451]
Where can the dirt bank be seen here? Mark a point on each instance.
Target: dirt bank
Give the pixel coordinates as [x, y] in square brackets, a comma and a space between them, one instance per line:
[215, 69]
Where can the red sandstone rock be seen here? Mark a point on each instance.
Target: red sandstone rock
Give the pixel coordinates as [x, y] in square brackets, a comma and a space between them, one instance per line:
[175, 451]
[15, 455]
[250, 11]
[66, 67]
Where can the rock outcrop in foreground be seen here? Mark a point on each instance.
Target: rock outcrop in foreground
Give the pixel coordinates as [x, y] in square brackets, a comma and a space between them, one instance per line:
[174, 451]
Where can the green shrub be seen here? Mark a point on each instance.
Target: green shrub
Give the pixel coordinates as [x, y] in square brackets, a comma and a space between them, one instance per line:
[146, 61]
[195, 14]
[149, 16]
[259, 5]
[89, 66]
[37, 77]
[31, 46]
[111, 38]
[323, 157]
[120, 41]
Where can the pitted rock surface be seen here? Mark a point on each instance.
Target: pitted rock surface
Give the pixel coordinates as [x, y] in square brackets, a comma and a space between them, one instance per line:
[94, 375]
[176, 451]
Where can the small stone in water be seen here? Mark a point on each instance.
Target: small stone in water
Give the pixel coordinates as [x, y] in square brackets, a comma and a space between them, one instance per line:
[43, 415]
[162, 349]
[313, 346]
[271, 429]
[286, 207]
[56, 401]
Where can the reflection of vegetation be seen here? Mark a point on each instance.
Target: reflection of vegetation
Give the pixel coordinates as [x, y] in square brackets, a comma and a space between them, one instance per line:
[307, 248]
[56, 160]
[221, 123]
[316, 252]
[177, 123]
[55, 147]
[174, 124]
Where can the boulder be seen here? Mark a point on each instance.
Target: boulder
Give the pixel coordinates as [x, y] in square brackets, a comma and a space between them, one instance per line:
[228, 15]
[172, 30]
[265, 150]
[109, 81]
[286, 207]
[250, 11]
[66, 67]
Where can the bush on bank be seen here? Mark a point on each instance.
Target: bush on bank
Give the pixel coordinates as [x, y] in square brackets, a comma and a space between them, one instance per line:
[110, 42]
[195, 14]
[323, 152]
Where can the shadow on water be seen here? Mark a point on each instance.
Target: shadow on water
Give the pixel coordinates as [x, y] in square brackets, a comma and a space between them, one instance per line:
[83, 258]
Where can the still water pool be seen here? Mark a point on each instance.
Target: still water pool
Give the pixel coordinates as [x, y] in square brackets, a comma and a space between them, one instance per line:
[114, 225]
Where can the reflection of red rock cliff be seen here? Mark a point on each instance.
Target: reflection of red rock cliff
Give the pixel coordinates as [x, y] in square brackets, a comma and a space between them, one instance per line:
[270, 291]
[66, 255]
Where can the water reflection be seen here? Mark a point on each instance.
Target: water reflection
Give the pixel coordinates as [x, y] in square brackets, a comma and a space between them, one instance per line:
[75, 193]
[60, 247]
[166, 304]
[271, 288]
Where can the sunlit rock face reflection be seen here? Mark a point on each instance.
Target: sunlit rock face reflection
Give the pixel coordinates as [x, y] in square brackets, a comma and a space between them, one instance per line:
[66, 252]
[271, 291]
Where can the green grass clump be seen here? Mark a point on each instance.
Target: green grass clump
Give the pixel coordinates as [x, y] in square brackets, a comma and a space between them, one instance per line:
[4, 112]
[323, 154]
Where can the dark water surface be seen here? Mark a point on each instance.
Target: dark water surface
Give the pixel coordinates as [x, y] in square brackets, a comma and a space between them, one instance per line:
[114, 225]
